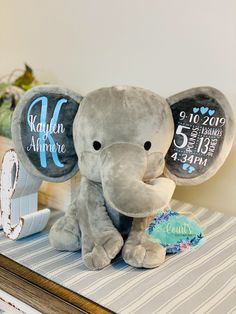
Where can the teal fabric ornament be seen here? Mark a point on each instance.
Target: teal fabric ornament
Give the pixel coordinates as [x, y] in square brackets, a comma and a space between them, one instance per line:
[175, 231]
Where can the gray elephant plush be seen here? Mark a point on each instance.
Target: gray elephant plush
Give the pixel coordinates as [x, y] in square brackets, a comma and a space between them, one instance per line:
[132, 147]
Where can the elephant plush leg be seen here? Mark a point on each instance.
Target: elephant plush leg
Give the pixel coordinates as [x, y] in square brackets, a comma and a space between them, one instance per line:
[65, 233]
[138, 250]
[101, 241]
[96, 256]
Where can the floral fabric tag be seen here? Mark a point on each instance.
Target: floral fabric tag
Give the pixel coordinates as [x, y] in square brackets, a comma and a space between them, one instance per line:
[175, 231]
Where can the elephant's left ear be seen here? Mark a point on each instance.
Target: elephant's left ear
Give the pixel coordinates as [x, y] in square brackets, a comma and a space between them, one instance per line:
[42, 132]
[204, 132]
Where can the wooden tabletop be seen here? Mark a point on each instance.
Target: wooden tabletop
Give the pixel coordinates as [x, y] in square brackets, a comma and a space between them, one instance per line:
[41, 293]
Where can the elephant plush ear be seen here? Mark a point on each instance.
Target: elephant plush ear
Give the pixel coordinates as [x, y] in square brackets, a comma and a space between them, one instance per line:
[42, 132]
[204, 132]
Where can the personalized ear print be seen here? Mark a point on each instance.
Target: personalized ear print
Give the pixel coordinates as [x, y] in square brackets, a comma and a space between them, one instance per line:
[42, 132]
[204, 132]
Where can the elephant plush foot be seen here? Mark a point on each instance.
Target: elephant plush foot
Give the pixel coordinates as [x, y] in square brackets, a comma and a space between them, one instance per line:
[99, 254]
[65, 234]
[145, 254]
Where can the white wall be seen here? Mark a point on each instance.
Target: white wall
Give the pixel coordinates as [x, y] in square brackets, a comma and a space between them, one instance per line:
[163, 45]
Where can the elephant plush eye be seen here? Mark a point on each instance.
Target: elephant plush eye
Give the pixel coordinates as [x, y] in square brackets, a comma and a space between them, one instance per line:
[147, 145]
[97, 145]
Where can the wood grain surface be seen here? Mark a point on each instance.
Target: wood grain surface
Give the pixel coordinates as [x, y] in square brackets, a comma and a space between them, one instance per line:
[41, 293]
[35, 290]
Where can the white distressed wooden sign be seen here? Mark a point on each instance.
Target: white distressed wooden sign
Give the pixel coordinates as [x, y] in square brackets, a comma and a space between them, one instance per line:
[19, 200]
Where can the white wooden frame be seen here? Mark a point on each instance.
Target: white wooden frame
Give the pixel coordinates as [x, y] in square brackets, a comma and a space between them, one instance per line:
[19, 214]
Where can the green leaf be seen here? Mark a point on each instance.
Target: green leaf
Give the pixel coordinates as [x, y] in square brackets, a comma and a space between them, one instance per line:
[28, 68]
[3, 89]
[5, 119]
[26, 79]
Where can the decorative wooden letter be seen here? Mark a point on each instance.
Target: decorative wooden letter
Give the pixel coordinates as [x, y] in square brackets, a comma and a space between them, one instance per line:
[19, 200]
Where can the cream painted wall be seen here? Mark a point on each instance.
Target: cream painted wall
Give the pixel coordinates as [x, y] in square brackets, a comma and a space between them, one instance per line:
[166, 46]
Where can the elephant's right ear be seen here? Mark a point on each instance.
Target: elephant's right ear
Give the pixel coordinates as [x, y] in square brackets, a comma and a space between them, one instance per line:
[204, 133]
[42, 132]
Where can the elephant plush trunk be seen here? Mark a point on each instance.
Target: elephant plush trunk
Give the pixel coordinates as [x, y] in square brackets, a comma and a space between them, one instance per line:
[123, 166]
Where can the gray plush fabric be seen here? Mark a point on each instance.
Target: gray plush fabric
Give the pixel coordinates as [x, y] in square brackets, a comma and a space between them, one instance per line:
[22, 134]
[121, 137]
[121, 176]
[216, 101]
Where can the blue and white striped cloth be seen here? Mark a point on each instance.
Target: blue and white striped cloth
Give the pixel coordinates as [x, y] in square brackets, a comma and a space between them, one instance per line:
[202, 280]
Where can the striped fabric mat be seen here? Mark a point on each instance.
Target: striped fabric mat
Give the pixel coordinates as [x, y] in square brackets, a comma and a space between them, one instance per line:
[202, 280]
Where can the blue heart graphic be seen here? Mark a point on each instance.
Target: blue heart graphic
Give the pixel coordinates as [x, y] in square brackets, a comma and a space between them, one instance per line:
[211, 112]
[204, 110]
[195, 109]
[191, 169]
[186, 166]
